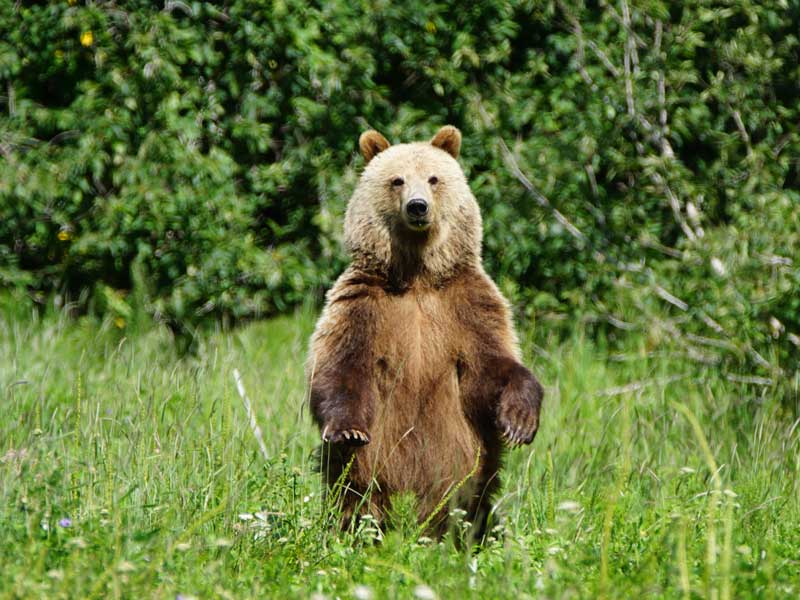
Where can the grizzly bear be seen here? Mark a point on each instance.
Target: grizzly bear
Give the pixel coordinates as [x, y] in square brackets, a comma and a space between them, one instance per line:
[414, 371]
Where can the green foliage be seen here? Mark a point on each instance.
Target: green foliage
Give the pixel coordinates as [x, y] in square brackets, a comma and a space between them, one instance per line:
[204, 154]
[128, 472]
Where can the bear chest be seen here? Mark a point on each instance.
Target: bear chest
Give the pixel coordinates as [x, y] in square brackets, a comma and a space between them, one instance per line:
[422, 439]
[419, 342]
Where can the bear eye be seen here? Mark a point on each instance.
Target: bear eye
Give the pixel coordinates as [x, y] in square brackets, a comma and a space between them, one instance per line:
[433, 180]
[397, 181]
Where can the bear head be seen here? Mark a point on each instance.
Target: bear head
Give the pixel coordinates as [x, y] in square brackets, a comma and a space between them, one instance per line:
[412, 214]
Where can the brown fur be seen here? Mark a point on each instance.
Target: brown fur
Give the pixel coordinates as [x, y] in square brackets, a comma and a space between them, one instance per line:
[414, 368]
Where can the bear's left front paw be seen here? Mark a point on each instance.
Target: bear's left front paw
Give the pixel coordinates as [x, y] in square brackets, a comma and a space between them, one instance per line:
[518, 418]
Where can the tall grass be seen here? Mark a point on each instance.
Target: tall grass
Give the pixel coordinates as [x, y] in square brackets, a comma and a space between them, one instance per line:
[129, 471]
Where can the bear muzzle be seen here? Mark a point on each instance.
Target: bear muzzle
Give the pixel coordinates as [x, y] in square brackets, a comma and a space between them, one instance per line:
[417, 214]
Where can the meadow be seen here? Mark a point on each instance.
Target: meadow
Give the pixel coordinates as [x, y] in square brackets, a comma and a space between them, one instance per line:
[127, 470]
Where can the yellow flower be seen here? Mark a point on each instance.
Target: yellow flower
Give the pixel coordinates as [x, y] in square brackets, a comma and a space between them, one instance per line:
[59, 54]
[87, 39]
[119, 322]
[64, 235]
[72, 2]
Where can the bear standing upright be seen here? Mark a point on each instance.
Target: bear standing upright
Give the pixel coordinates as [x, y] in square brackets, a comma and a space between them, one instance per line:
[414, 370]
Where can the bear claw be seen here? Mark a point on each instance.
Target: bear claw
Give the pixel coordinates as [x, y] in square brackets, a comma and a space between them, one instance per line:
[351, 437]
[519, 435]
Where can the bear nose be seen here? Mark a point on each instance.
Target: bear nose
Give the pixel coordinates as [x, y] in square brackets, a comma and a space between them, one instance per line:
[417, 208]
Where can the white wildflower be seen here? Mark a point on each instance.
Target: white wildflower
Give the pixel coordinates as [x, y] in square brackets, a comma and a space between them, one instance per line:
[423, 592]
[776, 327]
[718, 267]
[693, 213]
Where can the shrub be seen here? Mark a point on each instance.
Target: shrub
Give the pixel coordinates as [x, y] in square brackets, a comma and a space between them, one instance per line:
[202, 154]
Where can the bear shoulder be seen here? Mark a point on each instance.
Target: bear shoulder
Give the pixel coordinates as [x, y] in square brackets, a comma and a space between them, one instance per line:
[484, 312]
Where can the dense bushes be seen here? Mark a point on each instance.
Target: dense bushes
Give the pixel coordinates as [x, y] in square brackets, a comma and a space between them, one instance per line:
[201, 155]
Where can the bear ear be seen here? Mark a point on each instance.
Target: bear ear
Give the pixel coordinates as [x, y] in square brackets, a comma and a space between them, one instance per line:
[371, 143]
[448, 138]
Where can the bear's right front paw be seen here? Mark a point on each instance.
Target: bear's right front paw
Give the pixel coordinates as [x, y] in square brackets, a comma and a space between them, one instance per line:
[350, 436]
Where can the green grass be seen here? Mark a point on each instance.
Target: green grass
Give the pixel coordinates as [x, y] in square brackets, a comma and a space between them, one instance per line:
[648, 477]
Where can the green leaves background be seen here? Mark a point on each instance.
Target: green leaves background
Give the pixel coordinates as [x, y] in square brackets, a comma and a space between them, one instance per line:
[194, 159]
